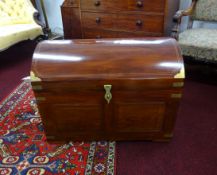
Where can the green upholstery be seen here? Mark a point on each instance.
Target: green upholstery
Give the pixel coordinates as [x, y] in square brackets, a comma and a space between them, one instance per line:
[205, 10]
[199, 43]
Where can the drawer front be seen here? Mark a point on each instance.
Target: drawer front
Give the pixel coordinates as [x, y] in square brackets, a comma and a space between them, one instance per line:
[147, 23]
[157, 6]
[98, 34]
[137, 34]
[102, 5]
[97, 20]
[127, 5]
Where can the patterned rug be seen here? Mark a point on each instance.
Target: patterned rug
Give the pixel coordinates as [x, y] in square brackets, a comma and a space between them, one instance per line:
[24, 150]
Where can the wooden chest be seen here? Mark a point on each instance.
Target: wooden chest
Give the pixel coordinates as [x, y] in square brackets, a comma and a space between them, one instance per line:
[113, 89]
[117, 18]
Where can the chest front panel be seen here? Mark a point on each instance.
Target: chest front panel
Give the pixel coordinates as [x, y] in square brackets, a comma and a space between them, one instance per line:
[73, 111]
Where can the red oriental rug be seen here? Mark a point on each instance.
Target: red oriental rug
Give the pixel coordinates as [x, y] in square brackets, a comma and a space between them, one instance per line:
[24, 150]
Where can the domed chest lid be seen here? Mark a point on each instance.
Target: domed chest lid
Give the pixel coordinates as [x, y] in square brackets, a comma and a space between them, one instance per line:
[145, 58]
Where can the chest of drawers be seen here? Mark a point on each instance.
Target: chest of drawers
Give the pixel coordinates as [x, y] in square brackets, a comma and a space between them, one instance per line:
[117, 18]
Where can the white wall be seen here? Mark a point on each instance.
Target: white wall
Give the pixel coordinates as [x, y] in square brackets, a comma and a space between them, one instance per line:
[55, 20]
[53, 12]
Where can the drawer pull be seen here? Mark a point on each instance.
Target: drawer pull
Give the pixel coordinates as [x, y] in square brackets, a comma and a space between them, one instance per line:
[97, 3]
[98, 37]
[71, 2]
[98, 20]
[108, 95]
[139, 23]
[139, 4]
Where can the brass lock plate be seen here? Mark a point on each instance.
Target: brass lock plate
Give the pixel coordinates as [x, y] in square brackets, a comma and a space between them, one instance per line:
[108, 95]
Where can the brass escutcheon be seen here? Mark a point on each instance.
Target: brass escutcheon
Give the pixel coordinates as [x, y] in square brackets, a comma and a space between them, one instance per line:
[108, 95]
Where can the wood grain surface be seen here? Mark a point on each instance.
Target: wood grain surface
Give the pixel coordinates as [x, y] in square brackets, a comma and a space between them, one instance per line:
[145, 94]
[137, 17]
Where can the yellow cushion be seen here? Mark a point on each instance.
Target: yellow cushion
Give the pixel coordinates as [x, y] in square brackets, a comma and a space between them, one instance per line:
[17, 22]
[16, 12]
[12, 34]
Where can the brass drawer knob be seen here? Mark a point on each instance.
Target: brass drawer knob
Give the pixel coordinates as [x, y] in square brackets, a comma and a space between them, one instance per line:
[71, 2]
[139, 23]
[139, 4]
[97, 3]
[98, 20]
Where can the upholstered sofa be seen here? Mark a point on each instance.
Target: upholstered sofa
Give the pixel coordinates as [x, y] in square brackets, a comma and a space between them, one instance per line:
[198, 43]
[17, 22]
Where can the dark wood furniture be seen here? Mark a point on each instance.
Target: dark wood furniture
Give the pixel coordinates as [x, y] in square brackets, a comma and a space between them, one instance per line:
[33, 3]
[108, 89]
[117, 18]
[177, 18]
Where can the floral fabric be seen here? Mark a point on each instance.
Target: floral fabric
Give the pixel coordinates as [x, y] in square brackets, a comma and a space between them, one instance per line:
[206, 10]
[199, 43]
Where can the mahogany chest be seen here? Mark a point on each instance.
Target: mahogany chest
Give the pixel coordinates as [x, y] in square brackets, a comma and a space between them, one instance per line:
[111, 89]
[117, 18]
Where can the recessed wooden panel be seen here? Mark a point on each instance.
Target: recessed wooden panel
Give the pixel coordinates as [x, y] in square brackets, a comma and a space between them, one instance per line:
[140, 22]
[145, 117]
[77, 118]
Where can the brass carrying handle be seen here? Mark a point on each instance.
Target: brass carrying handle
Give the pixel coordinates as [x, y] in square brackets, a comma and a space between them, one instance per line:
[108, 95]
